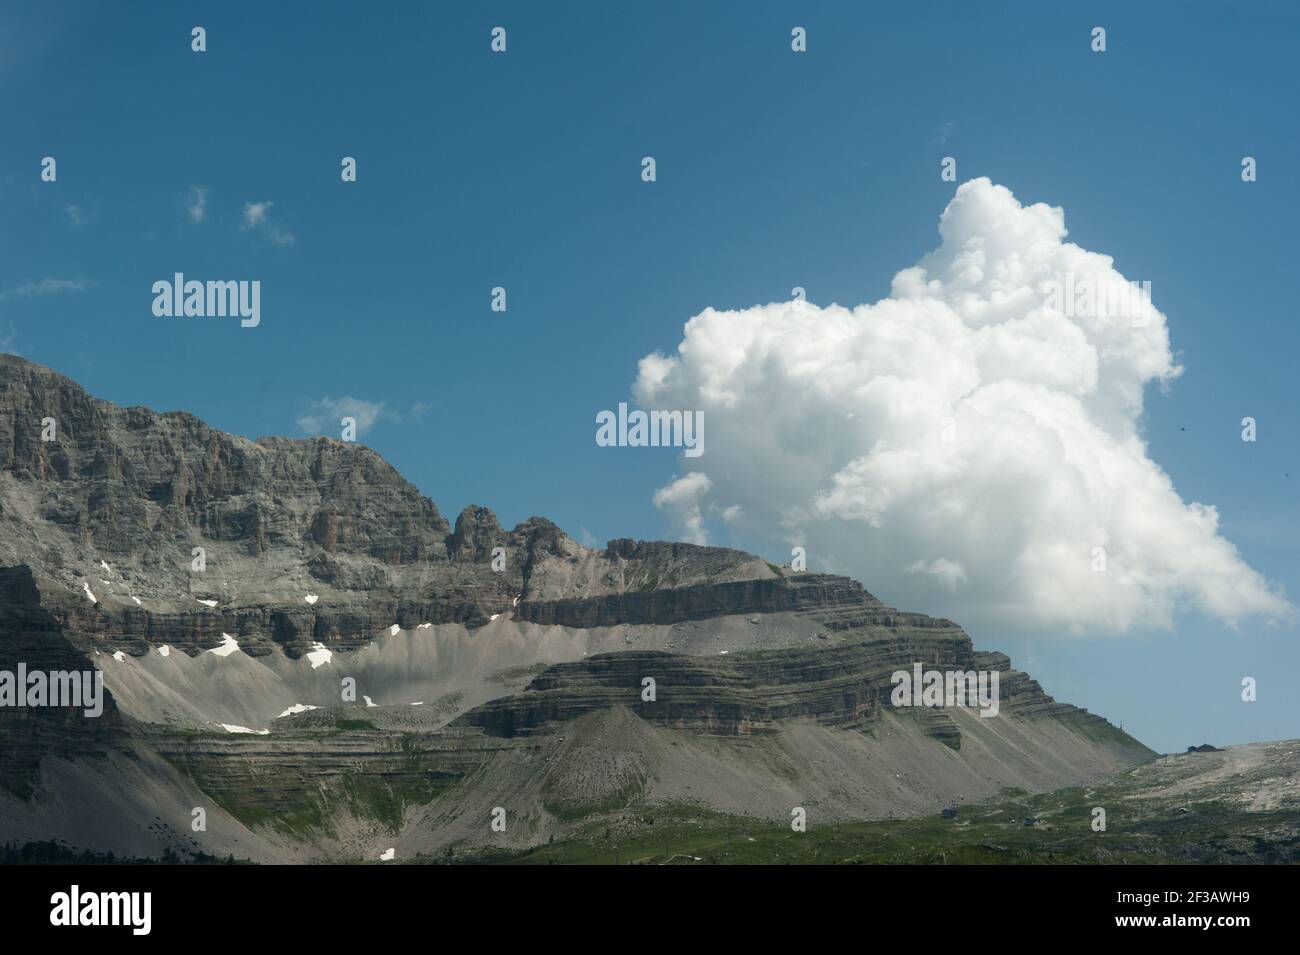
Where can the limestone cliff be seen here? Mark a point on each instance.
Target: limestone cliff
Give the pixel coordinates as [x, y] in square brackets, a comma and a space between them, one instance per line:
[492, 665]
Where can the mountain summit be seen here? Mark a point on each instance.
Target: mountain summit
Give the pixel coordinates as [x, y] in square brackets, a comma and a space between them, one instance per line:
[296, 641]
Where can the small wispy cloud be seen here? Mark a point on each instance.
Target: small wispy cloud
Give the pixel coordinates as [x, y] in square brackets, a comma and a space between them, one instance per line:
[50, 287]
[75, 214]
[255, 213]
[197, 204]
[44, 288]
[8, 335]
[324, 415]
[945, 133]
[256, 217]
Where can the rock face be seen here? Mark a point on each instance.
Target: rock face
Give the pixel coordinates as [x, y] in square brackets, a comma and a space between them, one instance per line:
[134, 541]
[31, 637]
[650, 604]
[182, 533]
[845, 686]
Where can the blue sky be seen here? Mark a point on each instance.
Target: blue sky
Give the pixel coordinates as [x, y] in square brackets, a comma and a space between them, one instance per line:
[774, 170]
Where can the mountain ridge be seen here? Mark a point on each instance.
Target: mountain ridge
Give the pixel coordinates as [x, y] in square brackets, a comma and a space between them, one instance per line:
[488, 665]
[138, 490]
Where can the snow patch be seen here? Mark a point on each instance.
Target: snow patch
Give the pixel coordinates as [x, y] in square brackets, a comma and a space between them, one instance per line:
[319, 655]
[311, 598]
[119, 656]
[296, 708]
[369, 701]
[206, 603]
[90, 596]
[392, 631]
[232, 728]
[137, 601]
[105, 566]
[164, 651]
[228, 646]
[494, 616]
[387, 855]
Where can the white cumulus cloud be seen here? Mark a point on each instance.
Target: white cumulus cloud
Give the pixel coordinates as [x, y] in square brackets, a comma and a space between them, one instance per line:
[967, 444]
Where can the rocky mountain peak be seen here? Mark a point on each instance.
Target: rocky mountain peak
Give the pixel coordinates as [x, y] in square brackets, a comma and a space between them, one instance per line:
[477, 532]
[181, 532]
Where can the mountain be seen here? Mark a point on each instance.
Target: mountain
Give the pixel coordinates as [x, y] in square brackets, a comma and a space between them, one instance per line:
[1238, 805]
[298, 643]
